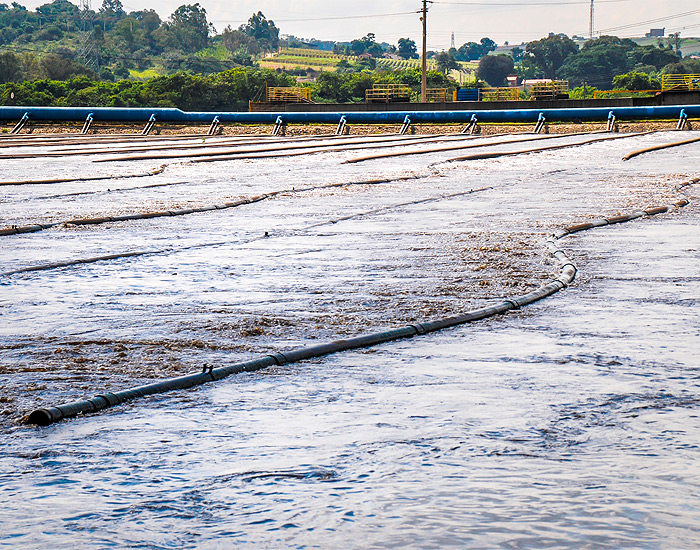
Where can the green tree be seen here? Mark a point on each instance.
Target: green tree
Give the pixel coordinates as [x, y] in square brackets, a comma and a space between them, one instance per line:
[358, 83]
[495, 68]
[446, 62]
[517, 54]
[487, 46]
[263, 30]
[341, 49]
[125, 32]
[111, 12]
[365, 64]
[112, 7]
[187, 29]
[473, 51]
[686, 66]
[58, 11]
[10, 67]
[599, 61]
[49, 33]
[55, 67]
[237, 42]
[583, 92]
[366, 44]
[651, 55]
[407, 48]
[332, 87]
[549, 54]
[675, 42]
[636, 81]
[148, 23]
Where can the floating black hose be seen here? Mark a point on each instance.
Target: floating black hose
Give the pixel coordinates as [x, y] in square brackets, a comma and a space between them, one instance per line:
[43, 140]
[348, 148]
[289, 150]
[49, 415]
[46, 416]
[469, 146]
[104, 191]
[15, 229]
[154, 172]
[81, 261]
[399, 205]
[96, 221]
[659, 148]
[202, 144]
[497, 154]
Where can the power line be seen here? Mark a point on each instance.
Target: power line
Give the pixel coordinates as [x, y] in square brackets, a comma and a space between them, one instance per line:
[657, 20]
[333, 18]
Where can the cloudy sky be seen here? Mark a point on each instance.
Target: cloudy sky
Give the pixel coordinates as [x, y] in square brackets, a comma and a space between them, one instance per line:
[502, 20]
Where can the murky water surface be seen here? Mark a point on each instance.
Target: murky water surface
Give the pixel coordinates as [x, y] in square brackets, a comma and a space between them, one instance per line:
[572, 423]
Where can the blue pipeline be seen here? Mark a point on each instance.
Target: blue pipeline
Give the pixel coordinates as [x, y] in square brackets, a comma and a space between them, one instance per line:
[112, 114]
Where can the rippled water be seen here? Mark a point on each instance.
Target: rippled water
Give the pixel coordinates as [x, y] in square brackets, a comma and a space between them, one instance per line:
[572, 423]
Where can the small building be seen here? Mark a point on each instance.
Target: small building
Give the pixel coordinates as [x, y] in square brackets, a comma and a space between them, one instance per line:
[512, 80]
[656, 33]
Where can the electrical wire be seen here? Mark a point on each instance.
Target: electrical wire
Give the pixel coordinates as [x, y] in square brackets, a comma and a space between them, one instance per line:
[332, 18]
[657, 20]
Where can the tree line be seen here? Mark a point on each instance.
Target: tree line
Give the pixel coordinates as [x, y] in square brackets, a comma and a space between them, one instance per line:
[109, 43]
[98, 53]
[59, 41]
[597, 63]
[229, 90]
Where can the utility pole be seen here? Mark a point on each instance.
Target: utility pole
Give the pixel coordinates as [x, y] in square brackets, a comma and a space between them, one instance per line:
[424, 63]
[590, 28]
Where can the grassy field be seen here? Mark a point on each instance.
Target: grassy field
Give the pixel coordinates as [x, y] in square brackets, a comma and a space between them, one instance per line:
[300, 58]
[689, 46]
[218, 52]
[144, 75]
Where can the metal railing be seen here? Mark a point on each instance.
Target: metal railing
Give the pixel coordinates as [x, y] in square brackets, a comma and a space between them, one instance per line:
[499, 94]
[680, 82]
[388, 93]
[436, 95]
[288, 95]
[550, 90]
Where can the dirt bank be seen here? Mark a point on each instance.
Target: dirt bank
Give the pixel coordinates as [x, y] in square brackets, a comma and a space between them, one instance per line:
[326, 129]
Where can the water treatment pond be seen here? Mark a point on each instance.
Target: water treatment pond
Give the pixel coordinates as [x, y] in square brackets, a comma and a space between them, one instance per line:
[572, 423]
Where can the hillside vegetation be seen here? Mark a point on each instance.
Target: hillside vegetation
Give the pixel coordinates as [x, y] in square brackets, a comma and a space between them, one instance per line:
[59, 54]
[226, 91]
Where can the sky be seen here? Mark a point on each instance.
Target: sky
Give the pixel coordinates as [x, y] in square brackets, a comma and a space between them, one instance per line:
[515, 21]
